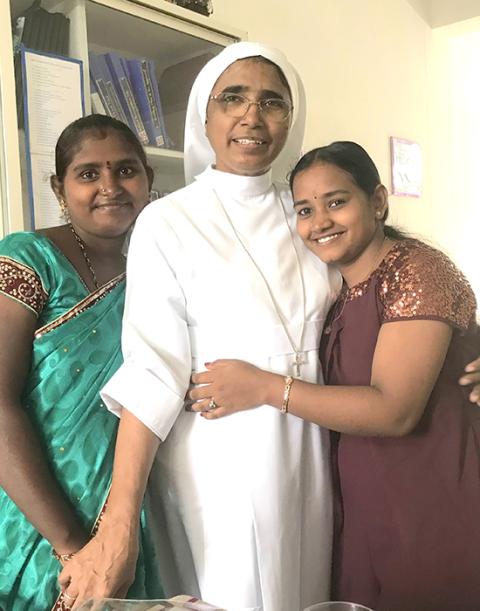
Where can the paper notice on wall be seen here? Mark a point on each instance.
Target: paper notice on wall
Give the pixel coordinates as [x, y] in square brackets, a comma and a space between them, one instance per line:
[53, 98]
[406, 163]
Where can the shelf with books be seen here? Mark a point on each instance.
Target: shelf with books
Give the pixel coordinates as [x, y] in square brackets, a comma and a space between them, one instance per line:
[174, 41]
[175, 56]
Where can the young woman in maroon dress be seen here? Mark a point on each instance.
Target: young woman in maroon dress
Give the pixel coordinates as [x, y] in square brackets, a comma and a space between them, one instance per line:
[407, 447]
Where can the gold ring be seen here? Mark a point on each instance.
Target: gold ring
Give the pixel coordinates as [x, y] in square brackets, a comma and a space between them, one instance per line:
[212, 404]
[69, 597]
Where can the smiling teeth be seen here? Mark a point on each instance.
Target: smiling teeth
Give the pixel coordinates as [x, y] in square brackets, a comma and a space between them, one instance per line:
[248, 141]
[327, 238]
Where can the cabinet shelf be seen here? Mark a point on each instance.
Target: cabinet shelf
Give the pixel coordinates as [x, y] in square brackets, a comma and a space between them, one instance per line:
[167, 156]
[165, 163]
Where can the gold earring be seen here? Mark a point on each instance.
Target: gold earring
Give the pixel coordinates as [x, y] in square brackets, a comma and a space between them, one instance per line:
[64, 213]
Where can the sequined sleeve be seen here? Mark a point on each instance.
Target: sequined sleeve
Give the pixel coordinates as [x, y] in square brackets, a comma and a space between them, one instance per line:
[21, 283]
[420, 282]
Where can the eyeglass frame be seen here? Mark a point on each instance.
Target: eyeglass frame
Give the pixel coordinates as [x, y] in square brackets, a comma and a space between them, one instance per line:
[257, 104]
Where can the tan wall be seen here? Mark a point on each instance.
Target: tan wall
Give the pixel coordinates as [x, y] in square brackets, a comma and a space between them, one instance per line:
[374, 69]
[449, 11]
[364, 65]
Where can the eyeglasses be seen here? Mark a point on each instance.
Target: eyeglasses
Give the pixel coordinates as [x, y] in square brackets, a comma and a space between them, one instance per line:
[237, 106]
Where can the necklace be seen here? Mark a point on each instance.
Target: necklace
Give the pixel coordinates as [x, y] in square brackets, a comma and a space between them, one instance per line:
[83, 250]
[296, 346]
[345, 293]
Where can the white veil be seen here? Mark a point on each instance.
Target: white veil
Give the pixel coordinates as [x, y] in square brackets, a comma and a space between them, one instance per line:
[198, 152]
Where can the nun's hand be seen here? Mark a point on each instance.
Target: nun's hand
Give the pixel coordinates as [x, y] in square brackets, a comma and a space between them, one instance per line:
[228, 386]
[472, 376]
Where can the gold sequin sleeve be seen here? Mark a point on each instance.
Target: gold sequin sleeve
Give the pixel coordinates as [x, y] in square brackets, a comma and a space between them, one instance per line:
[420, 282]
[21, 283]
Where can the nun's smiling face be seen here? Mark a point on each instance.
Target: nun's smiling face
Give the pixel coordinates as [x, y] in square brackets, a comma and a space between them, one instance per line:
[247, 145]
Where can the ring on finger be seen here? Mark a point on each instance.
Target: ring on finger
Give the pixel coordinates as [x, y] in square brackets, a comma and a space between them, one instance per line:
[212, 404]
[69, 597]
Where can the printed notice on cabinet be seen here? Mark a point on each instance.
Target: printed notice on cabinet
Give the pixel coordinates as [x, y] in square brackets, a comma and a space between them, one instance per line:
[53, 97]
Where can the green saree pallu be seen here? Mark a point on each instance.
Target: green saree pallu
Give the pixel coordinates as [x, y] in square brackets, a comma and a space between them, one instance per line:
[75, 351]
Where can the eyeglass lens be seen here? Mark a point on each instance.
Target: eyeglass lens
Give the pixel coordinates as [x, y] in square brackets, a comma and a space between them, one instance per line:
[237, 106]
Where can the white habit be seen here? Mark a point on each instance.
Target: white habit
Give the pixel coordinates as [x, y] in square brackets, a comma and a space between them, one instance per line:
[250, 494]
[253, 489]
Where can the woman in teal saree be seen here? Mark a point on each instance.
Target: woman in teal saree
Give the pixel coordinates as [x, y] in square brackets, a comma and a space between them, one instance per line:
[66, 300]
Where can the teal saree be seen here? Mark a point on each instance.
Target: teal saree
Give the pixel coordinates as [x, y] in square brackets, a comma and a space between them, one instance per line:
[75, 351]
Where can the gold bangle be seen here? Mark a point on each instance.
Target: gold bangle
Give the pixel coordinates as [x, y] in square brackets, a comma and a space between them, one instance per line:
[62, 557]
[286, 394]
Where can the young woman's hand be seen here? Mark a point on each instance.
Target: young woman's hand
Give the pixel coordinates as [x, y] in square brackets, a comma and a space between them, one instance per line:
[104, 568]
[472, 376]
[229, 386]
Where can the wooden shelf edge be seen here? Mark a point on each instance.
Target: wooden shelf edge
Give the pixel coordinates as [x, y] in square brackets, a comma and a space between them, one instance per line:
[192, 17]
[153, 151]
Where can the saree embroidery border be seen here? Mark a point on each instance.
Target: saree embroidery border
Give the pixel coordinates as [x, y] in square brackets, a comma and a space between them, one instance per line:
[22, 283]
[83, 305]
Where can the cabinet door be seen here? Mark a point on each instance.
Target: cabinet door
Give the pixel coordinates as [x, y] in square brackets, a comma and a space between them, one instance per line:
[11, 191]
[3, 176]
[176, 42]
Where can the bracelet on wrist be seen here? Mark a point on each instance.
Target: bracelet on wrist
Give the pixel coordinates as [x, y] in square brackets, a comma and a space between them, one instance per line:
[62, 557]
[286, 394]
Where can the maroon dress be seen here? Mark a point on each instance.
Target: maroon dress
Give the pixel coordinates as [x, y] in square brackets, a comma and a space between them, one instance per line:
[407, 534]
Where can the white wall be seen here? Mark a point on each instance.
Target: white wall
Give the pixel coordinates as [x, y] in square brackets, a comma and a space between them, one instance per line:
[455, 127]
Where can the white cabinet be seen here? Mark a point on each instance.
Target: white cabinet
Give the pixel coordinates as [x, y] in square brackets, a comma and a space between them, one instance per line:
[179, 41]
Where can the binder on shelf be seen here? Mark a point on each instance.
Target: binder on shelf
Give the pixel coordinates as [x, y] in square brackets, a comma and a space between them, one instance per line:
[97, 84]
[119, 72]
[143, 89]
[158, 102]
[56, 41]
[45, 32]
[53, 36]
[34, 34]
[100, 74]
[64, 37]
[111, 89]
[42, 30]
[98, 106]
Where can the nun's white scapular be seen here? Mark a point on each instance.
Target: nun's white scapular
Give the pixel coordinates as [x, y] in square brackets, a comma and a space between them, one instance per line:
[249, 495]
